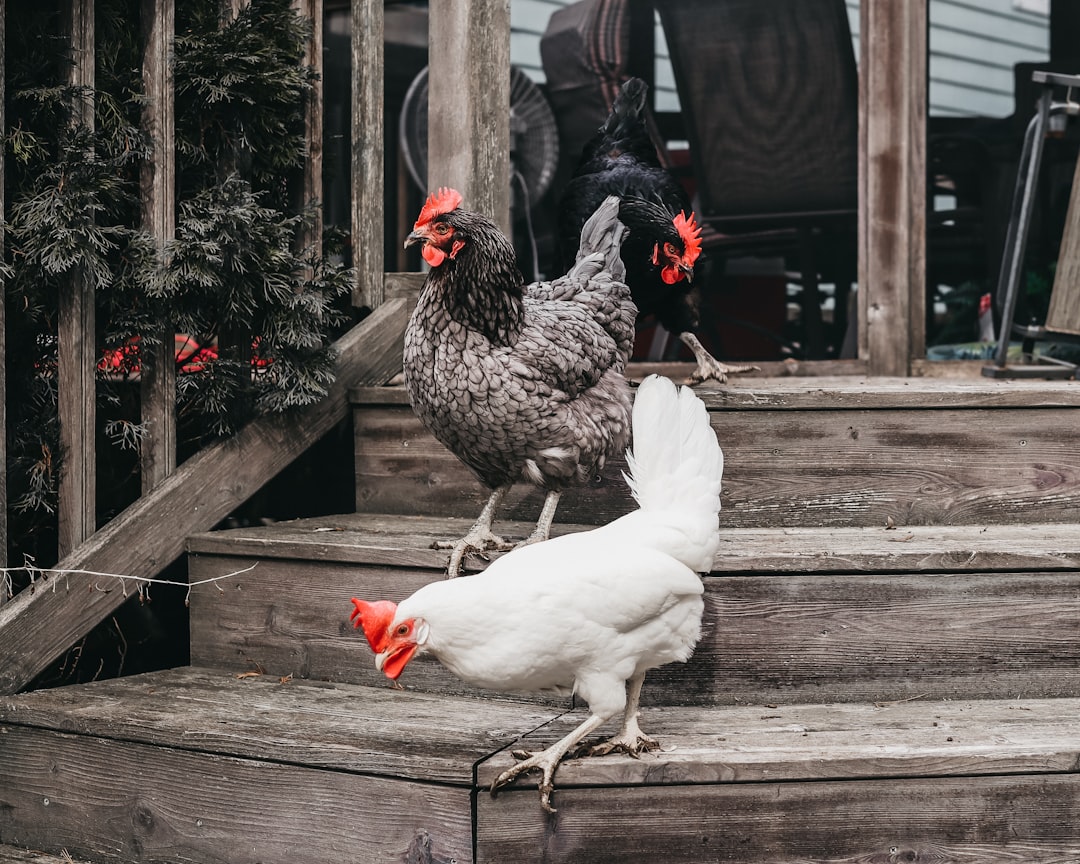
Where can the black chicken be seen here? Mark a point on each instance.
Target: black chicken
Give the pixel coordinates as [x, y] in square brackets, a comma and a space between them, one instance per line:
[520, 382]
[664, 242]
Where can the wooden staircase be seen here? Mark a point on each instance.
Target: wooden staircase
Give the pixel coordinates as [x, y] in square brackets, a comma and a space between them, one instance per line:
[890, 669]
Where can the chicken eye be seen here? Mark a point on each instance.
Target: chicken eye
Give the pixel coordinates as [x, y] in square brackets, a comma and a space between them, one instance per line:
[670, 251]
[402, 630]
[441, 228]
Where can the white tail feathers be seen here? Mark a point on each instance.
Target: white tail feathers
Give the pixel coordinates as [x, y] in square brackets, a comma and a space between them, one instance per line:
[676, 468]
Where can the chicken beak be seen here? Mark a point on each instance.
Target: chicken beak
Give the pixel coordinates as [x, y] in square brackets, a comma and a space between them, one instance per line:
[392, 661]
[418, 236]
[687, 271]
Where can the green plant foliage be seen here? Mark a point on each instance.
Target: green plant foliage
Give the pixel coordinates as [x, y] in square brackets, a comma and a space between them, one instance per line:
[233, 281]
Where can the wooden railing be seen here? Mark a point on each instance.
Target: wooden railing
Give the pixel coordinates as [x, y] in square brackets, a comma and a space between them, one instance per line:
[37, 626]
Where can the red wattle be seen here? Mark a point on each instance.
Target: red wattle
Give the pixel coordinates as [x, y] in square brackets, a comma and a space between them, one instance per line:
[433, 255]
[670, 275]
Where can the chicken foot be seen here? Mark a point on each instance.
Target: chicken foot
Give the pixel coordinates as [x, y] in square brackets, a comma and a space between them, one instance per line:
[547, 761]
[629, 739]
[542, 531]
[707, 365]
[479, 539]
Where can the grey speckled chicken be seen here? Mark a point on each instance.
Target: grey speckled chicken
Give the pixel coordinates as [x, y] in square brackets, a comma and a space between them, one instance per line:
[520, 382]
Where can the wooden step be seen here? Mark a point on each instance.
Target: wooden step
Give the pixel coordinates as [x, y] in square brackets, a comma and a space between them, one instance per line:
[202, 765]
[16, 855]
[792, 615]
[800, 452]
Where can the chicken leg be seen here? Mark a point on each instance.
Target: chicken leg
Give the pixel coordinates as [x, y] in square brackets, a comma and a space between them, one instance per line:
[542, 531]
[479, 539]
[629, 739]
[707, 365]
[547, 761]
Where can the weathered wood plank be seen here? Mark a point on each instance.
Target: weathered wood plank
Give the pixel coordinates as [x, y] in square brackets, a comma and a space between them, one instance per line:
[367, 180]
[309, 189]
[469, 110]
[157, 183]
[113, 800]
[938, 738]
[835, 393]
[798, 629]
[850, 638]
[405, 541]
[37, 627]
[14, 855]
[1063, 314]
[338, 727]
[843, 467]
[892, 156]
[992, 820]
[292, 618]
[76, 335]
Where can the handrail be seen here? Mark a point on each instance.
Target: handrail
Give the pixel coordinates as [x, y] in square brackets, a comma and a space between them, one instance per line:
[37, 627]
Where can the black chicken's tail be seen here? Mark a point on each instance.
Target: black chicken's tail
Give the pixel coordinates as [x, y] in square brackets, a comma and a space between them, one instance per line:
[626, 117]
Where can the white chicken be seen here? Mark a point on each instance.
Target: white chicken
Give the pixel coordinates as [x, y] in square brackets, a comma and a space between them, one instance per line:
[588, 613]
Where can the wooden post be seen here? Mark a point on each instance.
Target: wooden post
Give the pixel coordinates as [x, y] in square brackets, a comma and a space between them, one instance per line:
[892, 184]
[367, 152]
[158, 193]
[469, 103]
[77, 345]
[310, 187]
[3, 322]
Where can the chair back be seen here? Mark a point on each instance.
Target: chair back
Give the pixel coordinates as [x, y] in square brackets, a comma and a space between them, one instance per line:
[769, 94]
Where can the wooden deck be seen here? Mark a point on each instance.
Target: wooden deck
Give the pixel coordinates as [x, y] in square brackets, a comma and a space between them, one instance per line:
[893, 681]
[243, 769]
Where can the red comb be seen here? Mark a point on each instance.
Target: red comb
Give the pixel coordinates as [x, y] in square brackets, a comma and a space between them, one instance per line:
[691, 235]
[376, 619]
[438, 203]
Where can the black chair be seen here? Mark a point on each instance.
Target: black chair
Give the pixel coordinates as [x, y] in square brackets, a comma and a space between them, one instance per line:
[1063, 315]
[769, 97]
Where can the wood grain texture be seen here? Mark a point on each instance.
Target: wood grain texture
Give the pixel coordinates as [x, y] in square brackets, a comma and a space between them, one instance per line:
[157, 196]
[935, 738]
[892, 154]
[856, 393]
[367, 180]
[77, 353]
[1063, 314]
[468, 109]
[37, 627]
[405, 541]
[338, 727]
[850, 638]
[113, 800]
[15, 855]
[992, 820]
[801, 624]
[784, 467]
[292, 618]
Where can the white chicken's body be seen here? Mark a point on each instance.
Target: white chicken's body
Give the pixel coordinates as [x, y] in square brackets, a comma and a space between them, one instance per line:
[590, 612]
[583, 612]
